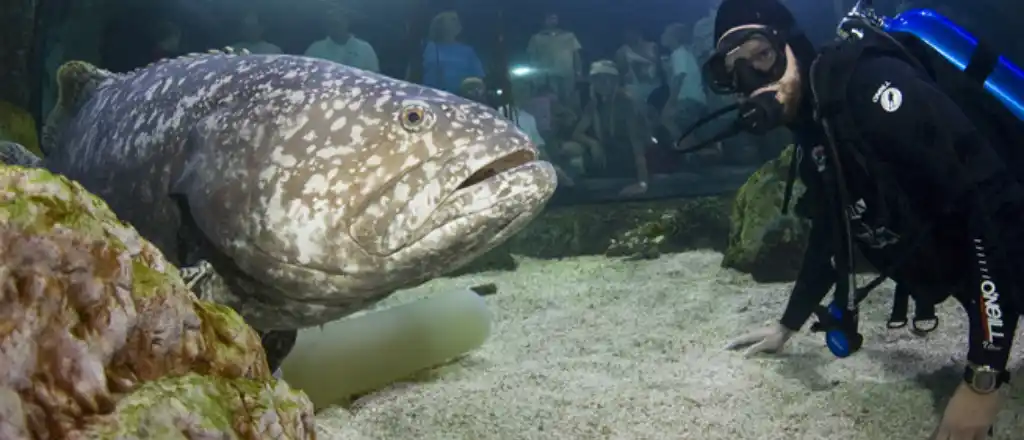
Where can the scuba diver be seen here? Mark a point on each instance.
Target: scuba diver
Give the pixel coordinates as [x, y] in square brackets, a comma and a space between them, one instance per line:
[906, 158]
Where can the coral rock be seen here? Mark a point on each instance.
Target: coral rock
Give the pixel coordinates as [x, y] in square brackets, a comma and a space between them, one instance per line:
[763, 241]
[101, 339]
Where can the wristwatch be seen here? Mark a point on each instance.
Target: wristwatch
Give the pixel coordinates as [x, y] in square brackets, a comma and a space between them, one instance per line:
[984, 379]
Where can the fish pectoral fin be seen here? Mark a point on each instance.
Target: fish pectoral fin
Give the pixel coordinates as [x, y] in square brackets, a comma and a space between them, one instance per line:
[193, 275]
[195, 152]
[199, 187]
[16, 154]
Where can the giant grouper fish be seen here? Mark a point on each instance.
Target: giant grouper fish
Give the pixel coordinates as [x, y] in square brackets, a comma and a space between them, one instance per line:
[313, 189]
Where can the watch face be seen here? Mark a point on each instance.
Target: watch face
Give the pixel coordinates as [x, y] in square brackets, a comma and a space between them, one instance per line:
[984, 381]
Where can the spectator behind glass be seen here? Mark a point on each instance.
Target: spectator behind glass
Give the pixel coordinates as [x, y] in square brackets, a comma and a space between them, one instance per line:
[661, 157]
[613, 131]
[342, 47]
[555, 53]
[687, 102]
[446, 61]
[704, 33]
[539, 103]
[251, 32]
[475, 89]
[638, 62]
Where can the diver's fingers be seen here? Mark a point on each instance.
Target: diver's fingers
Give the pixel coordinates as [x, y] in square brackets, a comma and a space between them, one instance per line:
[745, 340]
[756, 349]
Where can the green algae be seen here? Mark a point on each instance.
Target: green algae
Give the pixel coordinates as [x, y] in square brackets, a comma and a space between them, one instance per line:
[224, 395]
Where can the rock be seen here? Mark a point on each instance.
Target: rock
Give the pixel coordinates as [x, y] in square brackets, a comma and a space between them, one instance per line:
[762, 241]
[101, 339]
[195, 407]
[485, 289]
[642, 229]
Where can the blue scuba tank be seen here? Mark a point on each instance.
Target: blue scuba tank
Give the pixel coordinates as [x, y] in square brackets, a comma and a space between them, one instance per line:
[1006, 82]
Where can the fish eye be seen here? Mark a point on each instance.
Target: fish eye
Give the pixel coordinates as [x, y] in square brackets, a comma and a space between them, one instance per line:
[416, 116]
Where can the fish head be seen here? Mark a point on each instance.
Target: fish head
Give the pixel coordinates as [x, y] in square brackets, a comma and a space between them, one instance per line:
[362, 185]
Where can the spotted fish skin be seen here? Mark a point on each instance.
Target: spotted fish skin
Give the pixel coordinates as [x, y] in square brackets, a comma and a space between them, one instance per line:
[314, 189]
[16, 154]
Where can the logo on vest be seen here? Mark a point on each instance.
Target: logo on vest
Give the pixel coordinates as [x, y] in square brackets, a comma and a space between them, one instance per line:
[890, 98]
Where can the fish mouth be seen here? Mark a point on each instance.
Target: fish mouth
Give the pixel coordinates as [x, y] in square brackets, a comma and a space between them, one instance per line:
[507, 186]
[462, 188]
[487, 207]
[500, 165]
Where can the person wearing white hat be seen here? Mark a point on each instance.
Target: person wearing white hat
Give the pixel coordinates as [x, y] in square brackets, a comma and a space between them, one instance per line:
[612, 130]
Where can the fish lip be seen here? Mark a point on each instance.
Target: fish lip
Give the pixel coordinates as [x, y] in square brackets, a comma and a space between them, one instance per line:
[506, 162]
[470, 169]
[527, 185]
[488, 213]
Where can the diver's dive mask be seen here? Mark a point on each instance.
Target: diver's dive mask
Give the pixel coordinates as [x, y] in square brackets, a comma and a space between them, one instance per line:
[745, 61]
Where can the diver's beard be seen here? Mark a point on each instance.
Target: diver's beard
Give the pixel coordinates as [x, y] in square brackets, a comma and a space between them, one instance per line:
[788, 90]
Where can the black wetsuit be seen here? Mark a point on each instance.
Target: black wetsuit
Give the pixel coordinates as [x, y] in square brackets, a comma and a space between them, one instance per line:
[950, 177]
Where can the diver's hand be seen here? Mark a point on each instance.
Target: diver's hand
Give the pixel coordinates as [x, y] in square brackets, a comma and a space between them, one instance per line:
[968, 415]
[770, 339]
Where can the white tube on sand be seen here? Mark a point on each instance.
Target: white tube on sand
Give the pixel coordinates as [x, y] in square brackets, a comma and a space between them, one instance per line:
[369, 351]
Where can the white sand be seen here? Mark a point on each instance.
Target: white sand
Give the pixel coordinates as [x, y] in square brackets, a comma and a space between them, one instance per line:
[596, 348]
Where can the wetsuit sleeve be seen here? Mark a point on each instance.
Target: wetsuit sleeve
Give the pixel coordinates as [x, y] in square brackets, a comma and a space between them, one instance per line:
[993, 323]
[949, 167]
[816, 275]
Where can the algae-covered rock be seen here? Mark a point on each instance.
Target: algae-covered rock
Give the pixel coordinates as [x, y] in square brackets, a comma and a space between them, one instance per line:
[642, 229]
[195, 407]
[18, 126]
[762, 240]
[101, 339]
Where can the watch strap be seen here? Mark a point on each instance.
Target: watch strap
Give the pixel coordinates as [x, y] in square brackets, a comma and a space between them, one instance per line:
[1002, 377]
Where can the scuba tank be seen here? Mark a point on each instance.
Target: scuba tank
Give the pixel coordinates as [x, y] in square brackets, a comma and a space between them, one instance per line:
[1004, 80]
[1000, 78]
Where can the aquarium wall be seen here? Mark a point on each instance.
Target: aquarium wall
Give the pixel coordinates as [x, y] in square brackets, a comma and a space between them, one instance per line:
[606, 91]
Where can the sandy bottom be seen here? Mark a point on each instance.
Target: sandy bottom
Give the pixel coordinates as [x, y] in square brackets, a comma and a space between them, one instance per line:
[596, 348]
